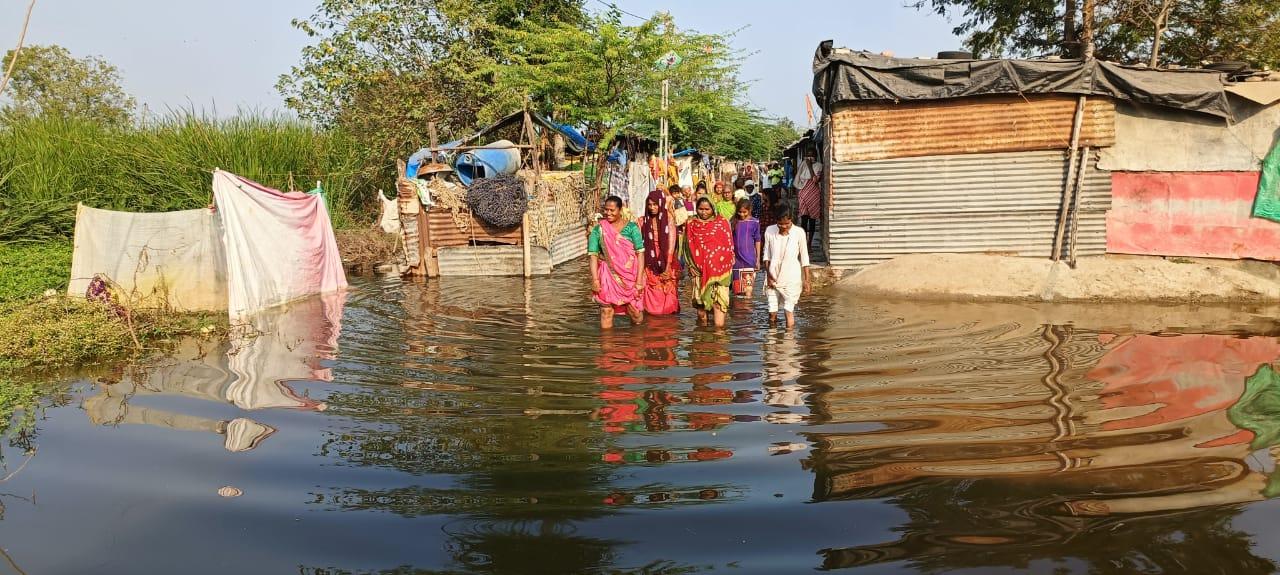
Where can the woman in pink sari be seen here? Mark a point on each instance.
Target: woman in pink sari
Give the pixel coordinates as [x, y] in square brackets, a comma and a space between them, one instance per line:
[617, 265]
[662, 276]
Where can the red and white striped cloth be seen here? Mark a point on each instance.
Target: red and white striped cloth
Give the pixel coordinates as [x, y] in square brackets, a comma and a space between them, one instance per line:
[811, 199]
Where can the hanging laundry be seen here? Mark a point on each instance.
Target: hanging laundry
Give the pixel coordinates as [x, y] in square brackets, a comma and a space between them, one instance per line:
[424, 192]
[390, 218]
[617, 181]
[279, 247]
[684, 167]
[1267, 202]
[618, 156]
[639, 184]
[175, 255]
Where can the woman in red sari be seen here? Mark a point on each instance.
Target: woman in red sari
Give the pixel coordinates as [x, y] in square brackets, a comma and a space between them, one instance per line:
[617, 265]
[662, 276]
[708, 253]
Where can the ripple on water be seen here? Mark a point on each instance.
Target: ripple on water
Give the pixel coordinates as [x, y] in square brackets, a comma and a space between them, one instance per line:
[487, 425]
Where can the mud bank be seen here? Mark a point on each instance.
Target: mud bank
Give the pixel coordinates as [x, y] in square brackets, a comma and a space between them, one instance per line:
[364, 249]
[973, 277]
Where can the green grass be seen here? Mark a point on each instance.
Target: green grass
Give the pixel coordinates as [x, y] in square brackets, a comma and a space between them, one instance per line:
[47, 165]
[59, 332]
[56, 332]
[28, 269]
[66, 332]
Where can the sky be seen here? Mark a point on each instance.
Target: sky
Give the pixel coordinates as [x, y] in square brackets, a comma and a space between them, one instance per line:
[225, 56]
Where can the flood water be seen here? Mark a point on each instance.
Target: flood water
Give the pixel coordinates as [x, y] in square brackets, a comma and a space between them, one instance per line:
[487, 426]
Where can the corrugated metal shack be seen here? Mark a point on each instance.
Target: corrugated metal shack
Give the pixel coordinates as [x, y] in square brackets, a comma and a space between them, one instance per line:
[974, 156]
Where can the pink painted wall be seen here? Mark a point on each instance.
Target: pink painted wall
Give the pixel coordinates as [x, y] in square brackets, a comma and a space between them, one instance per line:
[1195, 214]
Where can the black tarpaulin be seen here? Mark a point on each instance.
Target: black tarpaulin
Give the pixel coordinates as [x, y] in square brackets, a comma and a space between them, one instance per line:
[844, 75]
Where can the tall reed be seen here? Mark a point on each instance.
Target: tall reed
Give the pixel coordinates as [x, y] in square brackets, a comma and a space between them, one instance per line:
[47, 165]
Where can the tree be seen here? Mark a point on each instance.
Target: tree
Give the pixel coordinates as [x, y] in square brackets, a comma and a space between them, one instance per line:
[1150, 15]
[1208, 30]
[603, 74]
[366, 44]
[382, 69]
[998, 27]
[49, 81]
[1154, 32]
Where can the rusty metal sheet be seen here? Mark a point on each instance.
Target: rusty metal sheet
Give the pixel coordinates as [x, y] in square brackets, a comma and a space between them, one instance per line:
[881, 130]
[1003, 203]
[444, 233]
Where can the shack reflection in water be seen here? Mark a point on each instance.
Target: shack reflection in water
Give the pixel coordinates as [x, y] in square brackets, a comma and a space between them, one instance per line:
[487, 426]
[1023, 441]
[252, 371]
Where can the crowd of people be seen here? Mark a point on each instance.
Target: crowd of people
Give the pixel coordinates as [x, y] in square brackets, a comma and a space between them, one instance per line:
[717, 242]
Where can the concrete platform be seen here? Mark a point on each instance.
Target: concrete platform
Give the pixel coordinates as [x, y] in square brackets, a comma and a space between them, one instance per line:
[975, 277]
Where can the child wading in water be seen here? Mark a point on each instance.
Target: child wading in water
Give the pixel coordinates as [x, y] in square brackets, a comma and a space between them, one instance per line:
[746, 249]
[786, 260]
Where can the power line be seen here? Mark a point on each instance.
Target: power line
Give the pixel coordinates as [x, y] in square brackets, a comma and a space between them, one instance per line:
[615, 7]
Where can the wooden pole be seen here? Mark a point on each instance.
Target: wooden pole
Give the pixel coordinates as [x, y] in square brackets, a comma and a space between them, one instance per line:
[524, 221]
[828, 189]
[429, 260]
[485, 147]
[1075, 206]
[1070, 42]
[524, 242]
[1065, 205]
[427, 250]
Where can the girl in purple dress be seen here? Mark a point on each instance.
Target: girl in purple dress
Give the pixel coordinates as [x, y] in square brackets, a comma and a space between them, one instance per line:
[746, 249]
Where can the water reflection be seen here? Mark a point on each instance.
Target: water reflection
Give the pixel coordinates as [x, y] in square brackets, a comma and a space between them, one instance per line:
[1057, 441]
[487, 426]
[252, 371]
[507, 423]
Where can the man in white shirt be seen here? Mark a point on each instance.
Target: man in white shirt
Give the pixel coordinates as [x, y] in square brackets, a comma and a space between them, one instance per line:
[786, 260]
